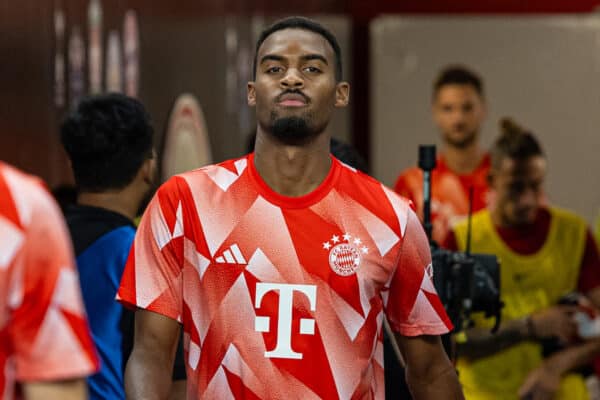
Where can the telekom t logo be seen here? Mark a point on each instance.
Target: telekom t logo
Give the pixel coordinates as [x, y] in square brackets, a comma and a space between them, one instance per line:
[283, 349]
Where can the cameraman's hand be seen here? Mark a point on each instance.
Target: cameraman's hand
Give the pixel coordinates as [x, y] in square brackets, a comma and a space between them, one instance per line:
[556, 321]
[541, 383]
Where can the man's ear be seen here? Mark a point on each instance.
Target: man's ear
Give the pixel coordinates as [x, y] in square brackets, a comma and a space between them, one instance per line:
[148, 170]
[251, 94]
[342, 94]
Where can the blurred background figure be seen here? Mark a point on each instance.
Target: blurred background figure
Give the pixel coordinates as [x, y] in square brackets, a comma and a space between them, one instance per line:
[458, 109]
[46, 349]
[109, 140]
[546, 253]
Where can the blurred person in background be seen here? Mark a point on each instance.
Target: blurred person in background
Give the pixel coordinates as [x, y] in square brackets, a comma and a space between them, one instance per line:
[109, 141]
[46, 350]
[546, 254]
[458, 109]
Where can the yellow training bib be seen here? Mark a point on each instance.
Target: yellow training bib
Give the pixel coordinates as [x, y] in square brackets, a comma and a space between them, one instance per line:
[528, 283]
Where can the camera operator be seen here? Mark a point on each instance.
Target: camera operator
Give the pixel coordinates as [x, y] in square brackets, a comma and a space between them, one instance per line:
[545, 254]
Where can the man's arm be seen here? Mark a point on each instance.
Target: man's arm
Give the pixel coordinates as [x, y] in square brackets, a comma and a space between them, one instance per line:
[429, 373]
[75, 389]
[555, 321]
[149, 370]
[544, 381]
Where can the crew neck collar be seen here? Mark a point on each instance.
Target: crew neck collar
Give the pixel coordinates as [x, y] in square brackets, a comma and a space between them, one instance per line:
[303, 201]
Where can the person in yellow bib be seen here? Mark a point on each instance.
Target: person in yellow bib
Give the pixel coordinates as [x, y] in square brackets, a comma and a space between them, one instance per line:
[545, 253]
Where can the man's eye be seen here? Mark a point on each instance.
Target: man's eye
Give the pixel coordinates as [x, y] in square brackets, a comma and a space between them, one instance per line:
[274, 70]
[312, 69]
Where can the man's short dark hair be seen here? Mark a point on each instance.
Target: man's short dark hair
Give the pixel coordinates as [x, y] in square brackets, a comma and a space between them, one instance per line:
[107, 138]
[458, 75]
[308, 25]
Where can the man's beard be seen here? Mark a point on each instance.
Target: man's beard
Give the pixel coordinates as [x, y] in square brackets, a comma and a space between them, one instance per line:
[293, 130]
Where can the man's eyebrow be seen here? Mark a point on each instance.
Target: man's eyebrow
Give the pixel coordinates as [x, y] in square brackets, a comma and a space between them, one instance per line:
[307, 57]
[319, 57]
[270, 57]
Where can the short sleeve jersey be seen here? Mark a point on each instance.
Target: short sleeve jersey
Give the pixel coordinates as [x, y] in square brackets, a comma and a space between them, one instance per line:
[44, 333]
[283, 297]
[449, 193]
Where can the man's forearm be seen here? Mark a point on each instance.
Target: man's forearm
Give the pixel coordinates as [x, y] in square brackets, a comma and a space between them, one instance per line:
[481, 343]
[573, 357]
[147, 376]
[444, 385]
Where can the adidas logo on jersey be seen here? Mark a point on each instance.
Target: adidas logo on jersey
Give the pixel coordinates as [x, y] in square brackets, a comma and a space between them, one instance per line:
[232, 255]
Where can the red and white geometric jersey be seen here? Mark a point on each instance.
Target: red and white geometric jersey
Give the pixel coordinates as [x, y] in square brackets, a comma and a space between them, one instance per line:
[283, 297]
[44, 333]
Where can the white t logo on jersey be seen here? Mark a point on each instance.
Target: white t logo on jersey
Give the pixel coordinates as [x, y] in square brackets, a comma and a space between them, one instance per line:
[283, 349]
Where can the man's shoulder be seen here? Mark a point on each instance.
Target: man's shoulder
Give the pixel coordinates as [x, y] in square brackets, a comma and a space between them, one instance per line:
[224, 170]
[409, 180]
[410, 173]
[93, 226]
[373, 194]
[566, 215]
[27, 195]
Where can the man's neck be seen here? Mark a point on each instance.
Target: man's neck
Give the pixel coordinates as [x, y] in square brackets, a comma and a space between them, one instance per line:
[292, 170]
[121, 201]
[463, 160]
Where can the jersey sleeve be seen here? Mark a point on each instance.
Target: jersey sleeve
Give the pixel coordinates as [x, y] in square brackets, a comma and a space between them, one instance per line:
[152, 279]
[48, 327]
[413, 306]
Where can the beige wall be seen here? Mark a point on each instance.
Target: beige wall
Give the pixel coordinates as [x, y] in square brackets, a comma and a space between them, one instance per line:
[543, 71]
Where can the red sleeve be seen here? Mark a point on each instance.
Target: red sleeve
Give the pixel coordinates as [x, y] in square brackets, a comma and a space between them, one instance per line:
[48, 326]
[152, 278]
[413, 307]
[589, 275]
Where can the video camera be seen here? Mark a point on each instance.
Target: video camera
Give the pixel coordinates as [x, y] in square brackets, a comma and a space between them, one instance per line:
[465, 282]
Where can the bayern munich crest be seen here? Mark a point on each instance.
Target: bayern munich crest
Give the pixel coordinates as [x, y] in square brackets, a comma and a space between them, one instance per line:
[345, 253]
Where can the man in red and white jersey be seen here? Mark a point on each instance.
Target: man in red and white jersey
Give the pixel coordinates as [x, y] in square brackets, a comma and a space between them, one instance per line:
[281, 265]
[45, 346]
[458, 109]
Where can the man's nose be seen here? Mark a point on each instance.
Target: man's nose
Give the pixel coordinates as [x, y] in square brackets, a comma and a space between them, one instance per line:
[528, 198]
[292, 79]
[460, 115]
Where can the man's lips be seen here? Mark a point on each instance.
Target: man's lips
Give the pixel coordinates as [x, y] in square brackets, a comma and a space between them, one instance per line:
[292, 103]
[292, 100]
